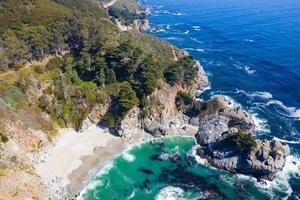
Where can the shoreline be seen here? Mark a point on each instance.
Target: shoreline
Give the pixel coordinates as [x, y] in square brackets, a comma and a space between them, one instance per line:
[64, 165]
[101, 156]
[75, 169]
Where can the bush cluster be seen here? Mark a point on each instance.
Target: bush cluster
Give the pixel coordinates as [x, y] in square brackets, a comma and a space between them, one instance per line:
[240, 141]
[183, 99]
[3, 138]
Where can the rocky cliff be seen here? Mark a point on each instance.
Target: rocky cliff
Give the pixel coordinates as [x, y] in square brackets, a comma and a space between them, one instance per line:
[163, 117]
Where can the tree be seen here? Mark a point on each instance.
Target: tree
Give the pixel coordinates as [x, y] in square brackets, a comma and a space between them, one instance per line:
[181, 72]
[183, 99]
[240, 141]
[126, 99]
[13, 50]
[99, 65]
[3, 138]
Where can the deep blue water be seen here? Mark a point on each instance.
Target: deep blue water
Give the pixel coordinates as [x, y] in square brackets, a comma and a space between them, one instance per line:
[250, 50]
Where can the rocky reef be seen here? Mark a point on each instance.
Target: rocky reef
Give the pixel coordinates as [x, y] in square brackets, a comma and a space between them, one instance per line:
[226, 139]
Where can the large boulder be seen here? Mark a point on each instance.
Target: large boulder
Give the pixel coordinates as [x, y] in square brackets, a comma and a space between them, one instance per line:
[266, 159]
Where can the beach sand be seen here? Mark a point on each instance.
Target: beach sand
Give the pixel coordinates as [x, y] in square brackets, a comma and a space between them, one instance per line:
[67, 165]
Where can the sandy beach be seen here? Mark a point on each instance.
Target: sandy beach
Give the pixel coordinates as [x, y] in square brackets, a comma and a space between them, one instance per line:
[67, 165]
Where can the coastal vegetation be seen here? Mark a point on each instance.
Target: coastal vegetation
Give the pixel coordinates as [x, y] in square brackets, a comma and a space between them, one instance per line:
[3, 138]
[126, 16]
[183, 99]
[240, 142]
[92, 61]
[181, 72]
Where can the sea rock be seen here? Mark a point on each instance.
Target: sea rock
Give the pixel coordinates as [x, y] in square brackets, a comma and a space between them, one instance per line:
[211, 129]
[263, 161]
[234, 117]
[266, 159]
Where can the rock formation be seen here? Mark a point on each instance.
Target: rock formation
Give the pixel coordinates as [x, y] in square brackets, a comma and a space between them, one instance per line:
[217, 121]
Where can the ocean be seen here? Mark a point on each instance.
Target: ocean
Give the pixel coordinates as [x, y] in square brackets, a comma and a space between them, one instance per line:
[250, 51]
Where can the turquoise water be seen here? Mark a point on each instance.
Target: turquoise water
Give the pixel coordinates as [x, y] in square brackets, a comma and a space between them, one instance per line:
[167, 169]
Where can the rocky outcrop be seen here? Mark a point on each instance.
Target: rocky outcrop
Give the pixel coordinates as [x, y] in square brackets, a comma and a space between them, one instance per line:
[99, 111]
[164, 117]
[266, 159]
[142, 25]
[219, 108]
[217, 120]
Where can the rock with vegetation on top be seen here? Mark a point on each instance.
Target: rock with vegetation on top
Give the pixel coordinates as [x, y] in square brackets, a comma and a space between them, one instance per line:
[226, 140]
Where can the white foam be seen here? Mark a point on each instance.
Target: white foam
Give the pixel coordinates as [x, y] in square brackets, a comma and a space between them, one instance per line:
[199, 92]
[292, 111]
[179, 14]
[286, 141]
[208, 73]
[248, 70]
[281, 181]
[196, 40]
[233, 103]
[263, 95]
[157, 30]
[182, 33]
[170, 193]
[200, 50]
[174, 38]
[189, 49]
[132, 195]
[128, 157]
[96, 182]
[261, 125]
[249, 40]
[196, 28]
[199, 160]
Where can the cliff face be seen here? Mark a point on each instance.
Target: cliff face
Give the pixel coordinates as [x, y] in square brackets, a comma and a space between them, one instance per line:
[163, 117]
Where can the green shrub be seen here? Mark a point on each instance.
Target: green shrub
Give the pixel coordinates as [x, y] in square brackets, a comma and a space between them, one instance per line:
[3, 138]
[39, 69]
[240, 141]
[54, 63]
[181, 72]
[126, 99]
[13, 96]
[183, 99]
[110, 120]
